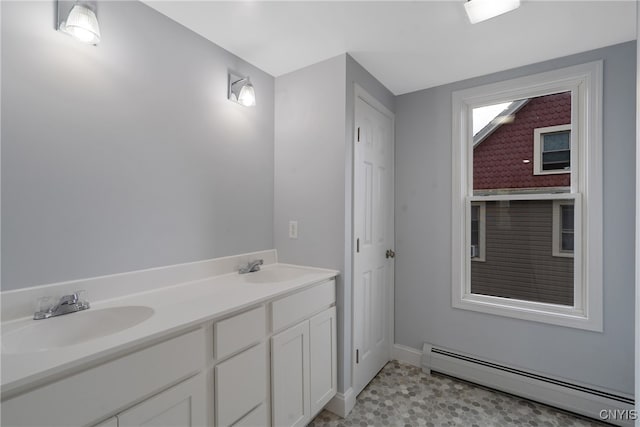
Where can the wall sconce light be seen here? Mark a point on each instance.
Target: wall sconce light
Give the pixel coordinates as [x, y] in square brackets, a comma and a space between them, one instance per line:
[80, 22]
[481, 10]
[241, 90]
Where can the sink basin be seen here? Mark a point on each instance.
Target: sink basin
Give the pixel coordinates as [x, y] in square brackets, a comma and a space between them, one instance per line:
[70, 329]
[279, 274]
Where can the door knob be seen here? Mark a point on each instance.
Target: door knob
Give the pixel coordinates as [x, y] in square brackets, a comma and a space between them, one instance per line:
[390, 253]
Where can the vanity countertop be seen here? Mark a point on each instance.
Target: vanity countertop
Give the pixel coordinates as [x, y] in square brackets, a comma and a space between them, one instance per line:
[177, 309]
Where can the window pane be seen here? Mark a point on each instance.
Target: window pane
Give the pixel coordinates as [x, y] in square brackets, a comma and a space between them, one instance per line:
[556, 160]
[556, 141]
[556, 156]
[475, 213]
[519, 261]
[567, 241]
[474, 237]
[475, 233]
[567, 217]
[503, 145]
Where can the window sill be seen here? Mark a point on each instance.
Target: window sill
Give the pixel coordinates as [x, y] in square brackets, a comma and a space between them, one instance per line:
[558, 172]
[562, 255]
[560, 315]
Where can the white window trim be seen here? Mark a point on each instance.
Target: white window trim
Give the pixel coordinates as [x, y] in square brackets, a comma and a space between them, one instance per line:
[482, 220]
[537, 149]
[585, 84]
[557, 233]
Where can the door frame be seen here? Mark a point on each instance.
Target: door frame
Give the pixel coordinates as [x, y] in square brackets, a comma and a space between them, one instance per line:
[360, 92]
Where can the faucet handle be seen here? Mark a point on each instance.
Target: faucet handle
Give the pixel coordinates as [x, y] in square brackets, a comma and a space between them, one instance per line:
[79, 294]
[44, 304]
[72, 298]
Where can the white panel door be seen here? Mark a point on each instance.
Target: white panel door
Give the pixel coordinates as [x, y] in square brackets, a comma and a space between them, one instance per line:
[373, 238]
[183, 405]
[290, 401]
[322, 359]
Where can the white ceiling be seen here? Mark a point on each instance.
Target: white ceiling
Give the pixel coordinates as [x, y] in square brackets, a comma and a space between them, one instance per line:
[407, 45]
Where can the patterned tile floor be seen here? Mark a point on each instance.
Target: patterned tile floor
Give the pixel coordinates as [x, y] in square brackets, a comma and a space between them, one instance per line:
[402, 395]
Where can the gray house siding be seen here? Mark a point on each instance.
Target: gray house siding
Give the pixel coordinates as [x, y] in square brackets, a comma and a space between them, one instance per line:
[519, 261]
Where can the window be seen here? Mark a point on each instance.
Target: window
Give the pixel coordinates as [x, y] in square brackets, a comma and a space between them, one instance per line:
[552, 150]
[563, 228]
[478, 217]
[530, 208]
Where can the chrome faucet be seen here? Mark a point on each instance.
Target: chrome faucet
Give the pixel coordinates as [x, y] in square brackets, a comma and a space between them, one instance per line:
[251, 267]
[67, 304]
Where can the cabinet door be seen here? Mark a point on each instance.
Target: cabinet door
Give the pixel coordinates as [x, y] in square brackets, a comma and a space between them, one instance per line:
[111, 422]
[290, 376]
[241, 384]
[322, 359]
[255, 418]
[182, 405]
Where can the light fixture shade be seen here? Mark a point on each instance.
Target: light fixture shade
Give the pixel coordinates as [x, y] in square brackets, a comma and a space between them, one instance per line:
[247, 95]
[481, 10]
[241, 90]
[82, 24]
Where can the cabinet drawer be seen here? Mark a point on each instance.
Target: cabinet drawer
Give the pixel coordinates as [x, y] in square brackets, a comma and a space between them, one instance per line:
[239, 332]
[241, 384]
[303, 304]
[81, 398]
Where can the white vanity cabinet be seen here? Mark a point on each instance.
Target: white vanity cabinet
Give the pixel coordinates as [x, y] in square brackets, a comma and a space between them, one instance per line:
[271, 363]
[303, 356]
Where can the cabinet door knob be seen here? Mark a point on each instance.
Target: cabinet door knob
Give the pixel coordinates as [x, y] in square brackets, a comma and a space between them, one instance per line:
[390, 253]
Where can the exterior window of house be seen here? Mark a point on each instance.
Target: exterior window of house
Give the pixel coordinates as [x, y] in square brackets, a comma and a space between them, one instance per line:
[552, 150]
[563, 228]
[521, 149]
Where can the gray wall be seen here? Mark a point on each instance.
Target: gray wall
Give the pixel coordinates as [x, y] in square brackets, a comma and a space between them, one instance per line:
[310, 174]
[423, 239]
[127, 155]
[313, 169]
[309, 164]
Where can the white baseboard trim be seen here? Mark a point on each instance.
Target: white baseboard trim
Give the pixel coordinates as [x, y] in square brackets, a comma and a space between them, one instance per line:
[342, 403]
[405, 354]
[583, 400]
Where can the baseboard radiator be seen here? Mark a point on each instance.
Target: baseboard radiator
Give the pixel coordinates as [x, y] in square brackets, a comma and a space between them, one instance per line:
[595, 403]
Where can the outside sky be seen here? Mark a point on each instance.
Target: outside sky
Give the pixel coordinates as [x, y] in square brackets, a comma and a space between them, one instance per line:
[483, 115]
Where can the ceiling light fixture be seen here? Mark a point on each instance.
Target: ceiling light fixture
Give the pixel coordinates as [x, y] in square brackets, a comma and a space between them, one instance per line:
[81, 23]
[481, 10]
[241, 90]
